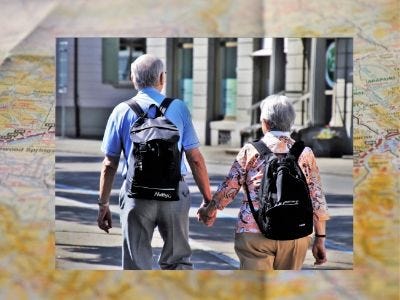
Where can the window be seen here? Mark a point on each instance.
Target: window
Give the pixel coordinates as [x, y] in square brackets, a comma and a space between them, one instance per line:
[261, 59]
[129, 50]
[62, 66]
[117, 56]
[330, 63]
[228, 60]
[186, 72]
[180, 69]
[222, 63]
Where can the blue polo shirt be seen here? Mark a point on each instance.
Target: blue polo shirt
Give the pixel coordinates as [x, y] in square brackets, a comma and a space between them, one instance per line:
[116, 136]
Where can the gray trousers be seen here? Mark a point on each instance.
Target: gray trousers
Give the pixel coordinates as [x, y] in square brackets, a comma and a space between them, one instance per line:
[140, 217]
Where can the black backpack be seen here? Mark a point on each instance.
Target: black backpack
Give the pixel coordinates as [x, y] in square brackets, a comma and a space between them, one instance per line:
[285, 205]
[154, 165]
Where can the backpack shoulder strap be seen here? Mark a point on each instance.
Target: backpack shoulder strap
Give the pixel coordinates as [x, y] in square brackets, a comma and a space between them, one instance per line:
[261, 147]
[252, 209]
[165, 104]
[135, 107]
[297, 149]
[264, 151]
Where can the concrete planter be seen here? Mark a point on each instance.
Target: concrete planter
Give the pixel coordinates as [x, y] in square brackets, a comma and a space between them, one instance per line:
[328, 147]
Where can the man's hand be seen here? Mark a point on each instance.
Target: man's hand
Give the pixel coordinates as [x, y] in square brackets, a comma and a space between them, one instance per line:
[319, 251]
[104, 220]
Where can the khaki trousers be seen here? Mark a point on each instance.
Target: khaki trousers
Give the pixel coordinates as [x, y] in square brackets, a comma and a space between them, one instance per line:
[256, 252]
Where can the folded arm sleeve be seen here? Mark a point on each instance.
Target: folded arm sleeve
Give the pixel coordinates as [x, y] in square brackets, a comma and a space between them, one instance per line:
[111, 144]
[189, 136]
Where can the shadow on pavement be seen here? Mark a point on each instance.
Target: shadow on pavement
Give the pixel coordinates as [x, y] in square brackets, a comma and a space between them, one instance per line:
[112, 256]
[200, 259]
[337, 200]
[222, 230]
[83, 198]
[104, 255]
[203, 260]
[79, 159]
[82, 215]
[339, 230]
[84, 180]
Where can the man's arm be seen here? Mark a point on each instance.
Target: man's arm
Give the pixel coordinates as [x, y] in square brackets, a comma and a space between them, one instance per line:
[199, 170]
[108, 170]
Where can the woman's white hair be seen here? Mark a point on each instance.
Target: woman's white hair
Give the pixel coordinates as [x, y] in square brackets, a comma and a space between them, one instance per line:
[146, 70]
[278, 112]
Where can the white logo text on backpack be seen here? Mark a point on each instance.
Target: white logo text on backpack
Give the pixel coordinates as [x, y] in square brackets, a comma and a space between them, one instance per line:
[163, 195]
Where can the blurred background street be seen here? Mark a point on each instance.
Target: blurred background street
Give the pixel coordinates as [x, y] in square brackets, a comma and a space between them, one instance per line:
[80, 244]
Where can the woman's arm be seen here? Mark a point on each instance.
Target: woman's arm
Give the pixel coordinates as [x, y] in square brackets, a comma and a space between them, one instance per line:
[310, 169]
[308, 165]
[226, 191]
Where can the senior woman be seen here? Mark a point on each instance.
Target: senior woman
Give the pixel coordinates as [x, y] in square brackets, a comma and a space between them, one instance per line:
[255, 251]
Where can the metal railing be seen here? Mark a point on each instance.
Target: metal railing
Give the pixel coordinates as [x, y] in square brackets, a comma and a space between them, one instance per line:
[304, 99]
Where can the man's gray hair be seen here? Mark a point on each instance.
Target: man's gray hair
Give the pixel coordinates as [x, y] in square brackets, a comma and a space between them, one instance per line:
[278, 112]
[146, 70]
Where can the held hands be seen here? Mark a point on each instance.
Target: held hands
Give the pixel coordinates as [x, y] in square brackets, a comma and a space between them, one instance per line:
[319, 251]
[207, 213]
[104, 220]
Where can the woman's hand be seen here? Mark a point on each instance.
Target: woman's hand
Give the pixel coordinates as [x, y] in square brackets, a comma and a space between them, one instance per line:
[319, 251]
[207, 213]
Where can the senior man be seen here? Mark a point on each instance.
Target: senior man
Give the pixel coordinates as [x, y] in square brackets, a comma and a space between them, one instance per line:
[139, 217]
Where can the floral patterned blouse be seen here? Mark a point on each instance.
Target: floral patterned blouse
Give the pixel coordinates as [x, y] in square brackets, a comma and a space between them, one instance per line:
[249, 162]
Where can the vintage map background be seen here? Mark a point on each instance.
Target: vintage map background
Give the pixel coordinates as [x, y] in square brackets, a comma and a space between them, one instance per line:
[27, 76]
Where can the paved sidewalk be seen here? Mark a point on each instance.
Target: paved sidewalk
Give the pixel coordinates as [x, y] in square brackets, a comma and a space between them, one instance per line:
[81, 245]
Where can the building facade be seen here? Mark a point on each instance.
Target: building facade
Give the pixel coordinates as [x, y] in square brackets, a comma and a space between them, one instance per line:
[221, 80]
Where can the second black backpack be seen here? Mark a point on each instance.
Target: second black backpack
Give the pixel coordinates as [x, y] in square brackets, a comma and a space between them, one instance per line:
[154, 165]
[285, 211]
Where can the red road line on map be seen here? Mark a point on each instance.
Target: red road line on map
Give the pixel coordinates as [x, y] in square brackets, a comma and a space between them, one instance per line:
[26, 137]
